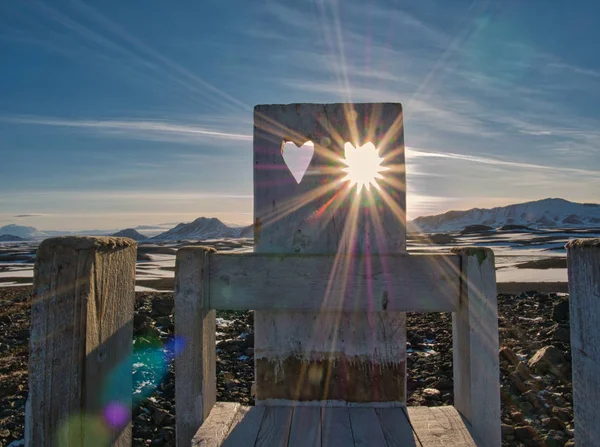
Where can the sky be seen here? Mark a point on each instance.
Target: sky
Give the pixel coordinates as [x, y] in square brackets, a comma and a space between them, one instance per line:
[115, 114]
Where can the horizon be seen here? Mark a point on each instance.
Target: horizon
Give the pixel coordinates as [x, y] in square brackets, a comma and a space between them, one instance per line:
[169, 225]
[117, 115]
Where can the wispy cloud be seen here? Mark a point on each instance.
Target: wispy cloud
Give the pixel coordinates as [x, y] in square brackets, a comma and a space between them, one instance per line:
[416, 153]
[146, 130]
[125, 195]
[573, 69]
[29, 215]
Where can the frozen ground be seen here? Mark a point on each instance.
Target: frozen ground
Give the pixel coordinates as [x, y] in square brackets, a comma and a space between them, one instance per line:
[156, 262]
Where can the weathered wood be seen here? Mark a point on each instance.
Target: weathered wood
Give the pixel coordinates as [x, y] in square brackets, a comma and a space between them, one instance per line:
[195, 368]
[306, 427]
[336, 362]
[320, 215]
[309, 216]
[275, 428]
[396, 428]
[81, 342]
[366, 428]
[245, 427]
[415, 283]
[215, 428]
[475, 345]
[584, 309]
[439, 427]
[336, 427]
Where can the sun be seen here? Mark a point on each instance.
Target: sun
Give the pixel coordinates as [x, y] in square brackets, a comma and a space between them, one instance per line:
[363, 166]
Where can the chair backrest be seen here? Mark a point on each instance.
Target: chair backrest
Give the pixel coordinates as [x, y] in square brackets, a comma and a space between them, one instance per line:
[323, 356]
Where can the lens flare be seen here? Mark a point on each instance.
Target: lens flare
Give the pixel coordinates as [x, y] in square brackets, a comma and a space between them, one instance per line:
[363, 166]
[116, 415]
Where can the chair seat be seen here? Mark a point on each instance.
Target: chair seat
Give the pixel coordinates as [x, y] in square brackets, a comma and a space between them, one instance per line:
[231, 424]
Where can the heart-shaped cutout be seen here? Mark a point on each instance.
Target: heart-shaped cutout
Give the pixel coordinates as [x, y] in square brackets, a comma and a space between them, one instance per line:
[297, 158]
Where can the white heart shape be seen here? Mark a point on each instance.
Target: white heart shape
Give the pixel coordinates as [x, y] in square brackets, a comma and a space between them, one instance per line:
[297, 158]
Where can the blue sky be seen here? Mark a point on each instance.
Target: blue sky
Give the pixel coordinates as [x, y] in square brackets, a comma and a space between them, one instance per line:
[114, 113]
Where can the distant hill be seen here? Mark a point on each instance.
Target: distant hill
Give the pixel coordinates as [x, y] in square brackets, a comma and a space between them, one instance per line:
[10, 238]
[539, 214]
[200, 229]
[130, 233]
[25, 233]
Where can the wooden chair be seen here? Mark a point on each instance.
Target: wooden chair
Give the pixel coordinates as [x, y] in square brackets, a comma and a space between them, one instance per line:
[329, 282]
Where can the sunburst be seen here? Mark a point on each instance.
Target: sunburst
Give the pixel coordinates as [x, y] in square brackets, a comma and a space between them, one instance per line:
[363, 166]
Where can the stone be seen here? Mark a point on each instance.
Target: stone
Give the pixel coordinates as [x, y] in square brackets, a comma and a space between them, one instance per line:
[561, 334]
[517, 416]
[140, 320]
[432, 393]
[562, 413]
[508, 430]
[160, 416]
[547, 359]
[517, 384]
[560, 311]
[553, 423]
[443, 384]
[554, 438]
[163, 321]
[508, 355]
[525, 432]
[162, 307]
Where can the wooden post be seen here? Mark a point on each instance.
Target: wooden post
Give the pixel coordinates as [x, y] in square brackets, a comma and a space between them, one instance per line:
[339, 356]
[195, 365]
[80, 375]
[475, 344]
[584, 309]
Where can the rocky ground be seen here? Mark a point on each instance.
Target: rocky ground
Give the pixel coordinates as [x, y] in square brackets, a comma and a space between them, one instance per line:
[537, 401]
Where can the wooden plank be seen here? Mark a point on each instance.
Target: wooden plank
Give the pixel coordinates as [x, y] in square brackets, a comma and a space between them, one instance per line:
[366, 428]
[245, 427]
[439, 427]
[475, 345]
[275, 428]
[416, 283]
[81, 336]
[396, 428]
[336, 427]
[306, 427]
[584, 305]
[320, 215]
[195, 365]
[309, 216]
[215, 428]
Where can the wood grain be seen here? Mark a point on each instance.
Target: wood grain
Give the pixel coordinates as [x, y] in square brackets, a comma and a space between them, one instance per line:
[320, 215]
[439, 427]
[215, 428]
[396, 428]
[336, 427]
[416, 283]
[366, 428]
[306, 427]
[195, 368]
[245, 427]
[584, 303]
[81, 339]
[275, 427]
[475, 346]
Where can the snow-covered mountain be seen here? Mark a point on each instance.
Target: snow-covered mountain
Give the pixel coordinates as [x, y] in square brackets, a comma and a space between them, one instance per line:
[26, 233]
[546, 213]
[200, 229]
[130, 233]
